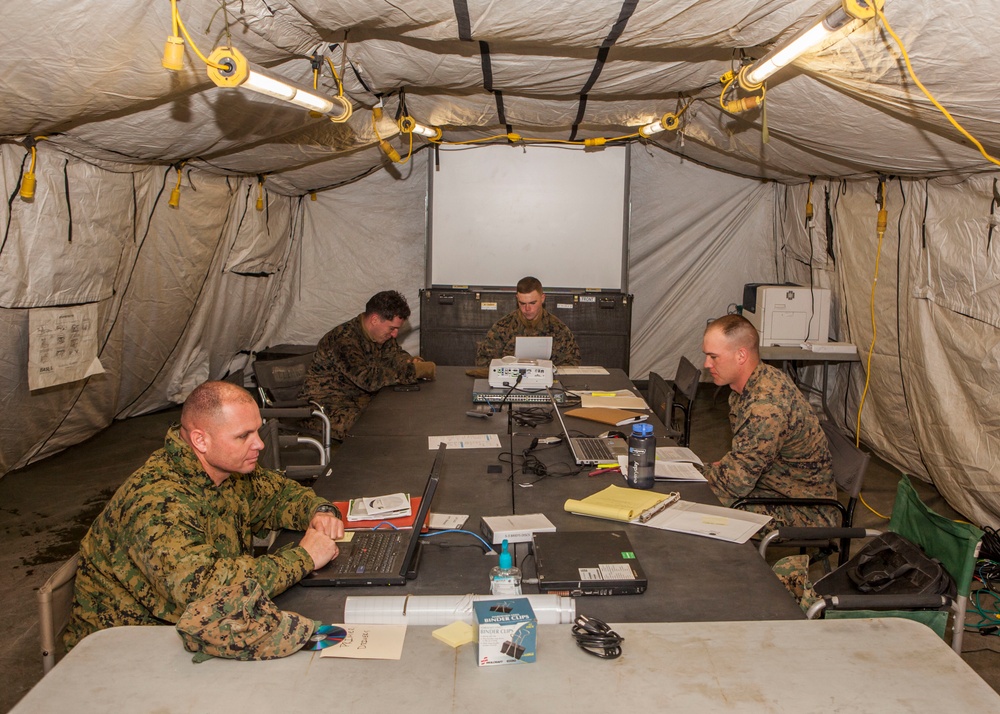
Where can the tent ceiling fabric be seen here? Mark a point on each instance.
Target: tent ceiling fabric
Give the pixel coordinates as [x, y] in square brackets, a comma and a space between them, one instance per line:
[97, 90]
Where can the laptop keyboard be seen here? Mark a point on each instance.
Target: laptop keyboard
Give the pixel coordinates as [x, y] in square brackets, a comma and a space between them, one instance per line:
[594, 449]
[371, 552]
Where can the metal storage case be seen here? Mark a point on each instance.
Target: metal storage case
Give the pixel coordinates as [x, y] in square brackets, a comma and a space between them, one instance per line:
[452, 322]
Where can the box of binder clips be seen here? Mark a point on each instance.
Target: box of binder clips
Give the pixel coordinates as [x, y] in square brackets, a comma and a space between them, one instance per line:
[507, 628]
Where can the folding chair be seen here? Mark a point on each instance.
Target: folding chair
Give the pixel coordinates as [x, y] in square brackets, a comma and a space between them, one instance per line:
[954, 544]
[673, 401]
[55, 603]
[277, 448]
[659, 396]
[849, 466]
[279, 382]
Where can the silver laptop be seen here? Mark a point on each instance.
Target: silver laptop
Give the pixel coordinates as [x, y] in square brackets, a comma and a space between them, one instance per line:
[591, 449]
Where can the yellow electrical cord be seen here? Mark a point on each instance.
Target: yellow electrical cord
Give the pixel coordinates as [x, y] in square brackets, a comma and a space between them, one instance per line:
[174, 16]
[180, 24]
[336, 77]
[913, 75]
[880, 228]
[727, 81]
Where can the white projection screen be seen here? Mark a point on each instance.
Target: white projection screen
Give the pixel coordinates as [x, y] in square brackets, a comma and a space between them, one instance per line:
[498, 213]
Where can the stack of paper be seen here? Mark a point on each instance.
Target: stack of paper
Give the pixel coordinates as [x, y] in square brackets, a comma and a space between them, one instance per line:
[845, 348]
[394, 505]
[620, 399]
[673, 463]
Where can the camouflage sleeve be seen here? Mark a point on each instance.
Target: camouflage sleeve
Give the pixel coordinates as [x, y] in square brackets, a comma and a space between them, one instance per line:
[756, 444]
[490, 348]
[370, 375]
[279, 502]
[564, 348]
[175, 551]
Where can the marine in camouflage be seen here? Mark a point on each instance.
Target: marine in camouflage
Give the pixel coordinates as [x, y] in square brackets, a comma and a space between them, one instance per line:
[169, 535]
[500, 339]
[349, 368]
[779, 449]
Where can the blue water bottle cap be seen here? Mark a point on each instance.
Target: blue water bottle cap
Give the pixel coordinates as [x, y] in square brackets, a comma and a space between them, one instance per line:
[642, 429]
[505, 559]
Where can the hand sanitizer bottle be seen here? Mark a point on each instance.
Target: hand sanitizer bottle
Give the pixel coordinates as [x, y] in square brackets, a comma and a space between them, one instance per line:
[505, 579]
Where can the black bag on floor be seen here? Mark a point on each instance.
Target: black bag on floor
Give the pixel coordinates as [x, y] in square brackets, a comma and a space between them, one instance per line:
[891, 565]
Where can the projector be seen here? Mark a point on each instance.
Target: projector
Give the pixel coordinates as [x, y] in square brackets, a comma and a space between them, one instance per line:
[534, 373]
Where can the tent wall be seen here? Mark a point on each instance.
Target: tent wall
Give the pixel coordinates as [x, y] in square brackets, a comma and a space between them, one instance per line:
[184, 295]
[932, 400]
[170, 314]
[697, 235]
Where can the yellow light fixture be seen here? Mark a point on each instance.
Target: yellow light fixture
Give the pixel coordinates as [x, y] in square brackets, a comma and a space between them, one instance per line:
[668, 122]
[227, 67]
[260, 193]
[846, 15]
[409, 125]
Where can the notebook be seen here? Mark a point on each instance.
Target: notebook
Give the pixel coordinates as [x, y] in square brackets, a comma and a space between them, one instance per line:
[588, 563]
[591, 449]
[382, 557]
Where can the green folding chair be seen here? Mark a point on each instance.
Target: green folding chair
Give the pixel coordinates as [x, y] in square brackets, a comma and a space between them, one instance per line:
[954, 544]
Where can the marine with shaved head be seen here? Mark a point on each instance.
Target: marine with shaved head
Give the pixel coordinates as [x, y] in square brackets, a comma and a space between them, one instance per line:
[778, 449]
[182, 526]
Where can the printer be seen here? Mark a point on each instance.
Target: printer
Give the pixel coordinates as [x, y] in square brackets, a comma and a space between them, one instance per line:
[787, 314]
[534, 373]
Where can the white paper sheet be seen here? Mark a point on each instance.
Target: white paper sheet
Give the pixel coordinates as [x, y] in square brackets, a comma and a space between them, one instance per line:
[717, 522]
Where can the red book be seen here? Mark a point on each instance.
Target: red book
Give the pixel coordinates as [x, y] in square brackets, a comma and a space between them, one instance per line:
[403, 523]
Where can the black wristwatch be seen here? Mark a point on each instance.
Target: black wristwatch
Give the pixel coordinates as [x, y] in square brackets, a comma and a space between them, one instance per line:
[330, 508]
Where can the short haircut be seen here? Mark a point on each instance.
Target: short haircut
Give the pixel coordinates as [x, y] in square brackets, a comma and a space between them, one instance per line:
[529, 285]
[207, 400]
[388, 305]
[738, 330]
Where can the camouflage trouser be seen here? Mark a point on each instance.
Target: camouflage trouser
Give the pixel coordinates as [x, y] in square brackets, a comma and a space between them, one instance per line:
[798, 516]
[793, 572]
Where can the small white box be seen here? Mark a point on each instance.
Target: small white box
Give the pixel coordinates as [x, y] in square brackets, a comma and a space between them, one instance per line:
[515, 529]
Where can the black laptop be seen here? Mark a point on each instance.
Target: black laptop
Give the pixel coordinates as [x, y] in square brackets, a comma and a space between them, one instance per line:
[381, 557]
[587, 563]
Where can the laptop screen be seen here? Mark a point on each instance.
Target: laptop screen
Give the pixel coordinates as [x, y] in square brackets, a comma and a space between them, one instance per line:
[533, 347]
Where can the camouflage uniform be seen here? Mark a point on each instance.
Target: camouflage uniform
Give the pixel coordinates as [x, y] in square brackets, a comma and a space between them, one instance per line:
[778, 449]
[500, 339]
[349, 368]
[793, 572]
[169, 535]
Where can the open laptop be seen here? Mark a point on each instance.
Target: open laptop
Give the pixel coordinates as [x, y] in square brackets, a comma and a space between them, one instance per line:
[533, 347]
[382, 557]
[591, 449]
[588, 563]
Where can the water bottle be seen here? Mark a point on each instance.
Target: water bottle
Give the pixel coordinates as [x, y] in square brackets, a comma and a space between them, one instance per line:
[641, 456]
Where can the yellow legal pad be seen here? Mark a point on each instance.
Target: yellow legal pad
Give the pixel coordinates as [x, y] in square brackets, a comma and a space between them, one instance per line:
[617, 503]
